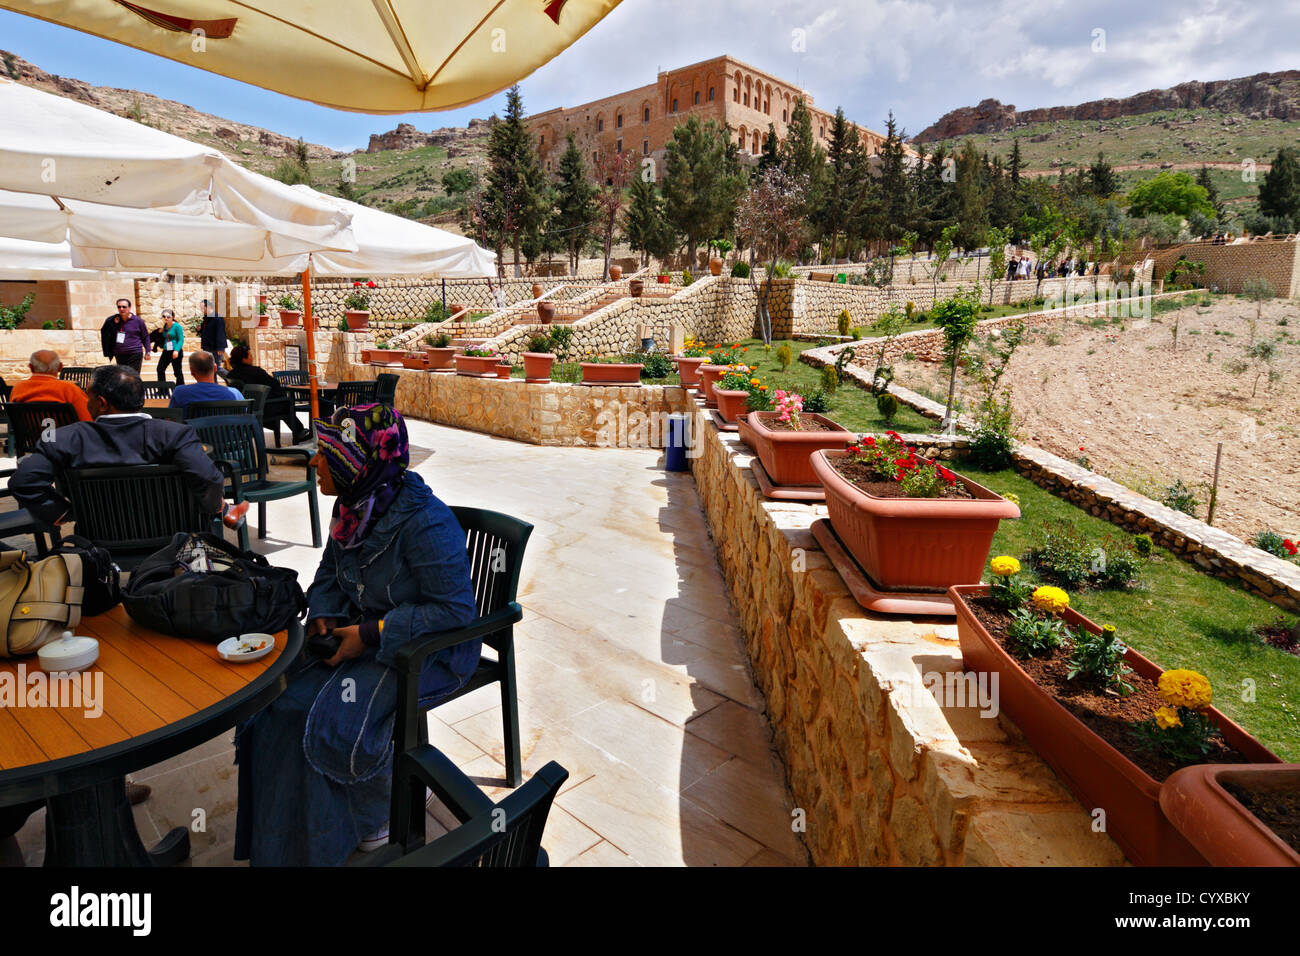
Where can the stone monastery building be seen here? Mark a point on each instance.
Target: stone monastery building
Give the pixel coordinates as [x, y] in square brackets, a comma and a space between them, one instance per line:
[722, 89]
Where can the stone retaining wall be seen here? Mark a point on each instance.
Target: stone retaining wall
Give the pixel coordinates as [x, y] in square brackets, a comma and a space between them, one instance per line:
[1226, 267]
[884, 774]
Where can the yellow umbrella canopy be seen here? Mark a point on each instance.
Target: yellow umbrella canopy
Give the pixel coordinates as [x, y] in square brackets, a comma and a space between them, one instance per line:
[384, 56]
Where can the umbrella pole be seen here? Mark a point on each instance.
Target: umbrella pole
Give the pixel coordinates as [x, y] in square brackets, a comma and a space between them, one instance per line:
[309, 324]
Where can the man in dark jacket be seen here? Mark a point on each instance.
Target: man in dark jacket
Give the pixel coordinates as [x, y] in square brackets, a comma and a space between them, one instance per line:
[120, 434]
[124, 336]
[212, 336]
[279, 403]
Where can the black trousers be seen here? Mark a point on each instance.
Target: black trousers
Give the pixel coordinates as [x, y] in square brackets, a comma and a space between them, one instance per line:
[133, 359]
[174, 360]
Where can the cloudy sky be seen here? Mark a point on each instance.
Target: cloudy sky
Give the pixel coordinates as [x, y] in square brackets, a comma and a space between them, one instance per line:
[919, 59]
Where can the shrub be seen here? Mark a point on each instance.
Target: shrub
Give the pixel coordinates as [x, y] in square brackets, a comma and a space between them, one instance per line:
[1065, 556]
[538, 342]
[561, 341]
[842, 323]
[830, 379]
[12, 316]
[1181, 498]
[435, 311]
[687, 278]
[1276, 545]
[654, 364]
[817, 401]
[566, 372]
[784, 356]
[740, 270]
[887, 405]
[991, 445]
[1142, 545]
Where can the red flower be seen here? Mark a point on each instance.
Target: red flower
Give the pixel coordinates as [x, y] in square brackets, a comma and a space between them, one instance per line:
[371, 284]
[356, 285]
[1080, 448]
[1291, 547]
[946, 475]
[870, 440]
[854, 450]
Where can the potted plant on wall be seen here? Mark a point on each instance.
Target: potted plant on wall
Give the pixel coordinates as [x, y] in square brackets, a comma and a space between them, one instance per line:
[263, 320]
[439, 351]
[733, 390]
[911, 523]
[290, 312]
[720, 360]
[539, 357]
[503, 365]
[415, 360]
[1111, 723]
[356, 305]
[786, 438]
[611, 370]
[688, 363]
[481, 363]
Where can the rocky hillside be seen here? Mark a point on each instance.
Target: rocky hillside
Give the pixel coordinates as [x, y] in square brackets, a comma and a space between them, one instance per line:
[1265, 95]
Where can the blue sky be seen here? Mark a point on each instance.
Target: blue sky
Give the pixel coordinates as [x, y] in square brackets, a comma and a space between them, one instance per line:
[920, 59]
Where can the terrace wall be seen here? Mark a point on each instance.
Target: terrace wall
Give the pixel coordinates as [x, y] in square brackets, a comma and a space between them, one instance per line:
[1226, 267]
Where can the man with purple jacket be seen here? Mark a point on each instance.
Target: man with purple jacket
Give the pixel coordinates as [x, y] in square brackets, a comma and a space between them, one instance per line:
[125, 337]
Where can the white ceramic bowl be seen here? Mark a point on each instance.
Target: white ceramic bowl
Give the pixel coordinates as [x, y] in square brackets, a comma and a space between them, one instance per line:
[68, 654]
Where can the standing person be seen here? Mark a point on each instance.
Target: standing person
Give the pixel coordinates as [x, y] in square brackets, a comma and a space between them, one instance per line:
[1012, 268]
[172, 347]
[212, 335]
[125, 337]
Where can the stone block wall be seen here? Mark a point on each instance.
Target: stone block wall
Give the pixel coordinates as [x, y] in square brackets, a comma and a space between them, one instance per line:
[885, 775]
[1226, 267]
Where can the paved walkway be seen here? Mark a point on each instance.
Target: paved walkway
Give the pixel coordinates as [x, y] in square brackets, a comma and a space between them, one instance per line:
[632, 673]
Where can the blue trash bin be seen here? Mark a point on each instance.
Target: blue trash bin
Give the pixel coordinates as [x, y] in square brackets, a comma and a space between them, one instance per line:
[675, 446]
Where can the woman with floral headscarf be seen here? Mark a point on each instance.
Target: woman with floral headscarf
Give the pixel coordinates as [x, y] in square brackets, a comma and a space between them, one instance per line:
[315, 767]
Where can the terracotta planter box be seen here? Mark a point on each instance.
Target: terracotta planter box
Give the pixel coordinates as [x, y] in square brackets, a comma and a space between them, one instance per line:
[419, 361]
[635, 287]
[709, 375]
[663, 280]
[358, 321]
[688, 368]
[744, 431]
[612, 373]
[537, 366]
[1095, 772]
[386, 356]
[787, 455]
[485, 365]
[913, 543]
[290, 318]
[1213, 821]
[546, 312]
[503, 371]
[439, 358]
[731, 405]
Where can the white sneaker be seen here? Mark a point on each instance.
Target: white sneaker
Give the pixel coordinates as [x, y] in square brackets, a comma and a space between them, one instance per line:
[379, 838]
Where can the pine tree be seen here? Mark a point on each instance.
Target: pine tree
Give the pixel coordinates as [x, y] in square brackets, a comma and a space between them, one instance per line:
[515, 191]
[895, 207]
[1279, 193]
[643, 222]
[1102, 181]
[842, 191]
[575, 204]
[972, 200]
[771, 150]
[700, 186]
[1015, 165]
[798, 149]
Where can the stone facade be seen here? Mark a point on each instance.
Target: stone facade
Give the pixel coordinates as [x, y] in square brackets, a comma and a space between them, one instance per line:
[1226, 267]
[641, 121]
[78, 304]
[885, 775]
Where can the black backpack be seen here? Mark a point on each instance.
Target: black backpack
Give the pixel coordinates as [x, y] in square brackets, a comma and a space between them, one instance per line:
[100, 576]
[202, 587]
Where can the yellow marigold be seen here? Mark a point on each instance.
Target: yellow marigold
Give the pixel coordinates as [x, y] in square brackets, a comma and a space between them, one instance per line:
[1013, 498]
[762, 388]
[1004, 566]
[1167, 717]
[1048, 598]
[1185, 688]
[754, 381]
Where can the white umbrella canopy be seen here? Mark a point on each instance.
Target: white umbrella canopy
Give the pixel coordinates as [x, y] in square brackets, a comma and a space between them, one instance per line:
[23, 259]
[54, 146]
[386, 56]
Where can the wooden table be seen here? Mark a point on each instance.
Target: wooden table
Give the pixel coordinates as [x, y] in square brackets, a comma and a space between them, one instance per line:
[157, 402]
[161, 696]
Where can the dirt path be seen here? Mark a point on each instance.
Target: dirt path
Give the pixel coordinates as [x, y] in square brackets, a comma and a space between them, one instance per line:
[1146, 415]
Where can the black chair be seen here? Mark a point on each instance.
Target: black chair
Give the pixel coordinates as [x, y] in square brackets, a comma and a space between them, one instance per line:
[225, 406]
[348, 394]
[79, 375]
[256, 394]
[385, 388]
[158, 389]
[239, 449]
[505, 834]
[133, 510]
[6, 390]
[170, 414]
[266, 409]
[28, 421]
[295, 377]
[20, 521]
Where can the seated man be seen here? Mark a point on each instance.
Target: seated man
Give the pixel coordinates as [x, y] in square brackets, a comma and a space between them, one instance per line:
[279, 404]
[205, 388]
[46, 386]
[120, 434]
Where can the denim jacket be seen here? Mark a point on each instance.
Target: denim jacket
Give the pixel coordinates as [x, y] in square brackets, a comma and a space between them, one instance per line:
[413, 572]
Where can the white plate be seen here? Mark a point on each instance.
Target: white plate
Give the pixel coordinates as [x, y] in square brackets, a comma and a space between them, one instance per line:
[229, 648]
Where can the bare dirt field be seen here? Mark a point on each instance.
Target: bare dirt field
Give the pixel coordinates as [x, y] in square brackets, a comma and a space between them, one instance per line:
[1145, 414]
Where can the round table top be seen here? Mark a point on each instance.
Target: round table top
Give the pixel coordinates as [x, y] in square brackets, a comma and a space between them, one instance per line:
[150, 696]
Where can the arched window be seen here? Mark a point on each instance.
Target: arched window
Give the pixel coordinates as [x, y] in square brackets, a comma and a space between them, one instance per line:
[618, 121]
[710, 94]
[645, 115]
[697, 97]
[674, 106]
[600, 124]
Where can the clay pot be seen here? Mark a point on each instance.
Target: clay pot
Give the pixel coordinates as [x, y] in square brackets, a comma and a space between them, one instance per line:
[264, 321]
[386, 356]
[546, 312]
[1212, 820]
[358, 321]
[709, 375]
[913, 543]
[688, 368]
[503, 371]
[787, 455]
[484, 366]
[635, 287]
[537, 290]
[615, 273]
[1094, 771]
[744, 431]
[537, 366]
[457, 308]
[290, 318]
[415, 360]
[612, 373]
[439, 358]
[715, 266]
[731, 404]
[365, 356]
[663, 278]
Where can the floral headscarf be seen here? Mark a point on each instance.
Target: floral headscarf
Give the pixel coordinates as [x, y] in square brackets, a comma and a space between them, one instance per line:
[366, 462]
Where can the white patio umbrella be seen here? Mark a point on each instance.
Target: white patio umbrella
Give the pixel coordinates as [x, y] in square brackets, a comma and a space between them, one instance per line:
[23, 259]
[386, 56]
[53, 146]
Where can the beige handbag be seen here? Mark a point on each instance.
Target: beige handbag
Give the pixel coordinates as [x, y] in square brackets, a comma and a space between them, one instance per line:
[39, 600]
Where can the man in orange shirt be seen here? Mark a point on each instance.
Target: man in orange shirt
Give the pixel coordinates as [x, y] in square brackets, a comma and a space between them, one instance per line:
[46, 386]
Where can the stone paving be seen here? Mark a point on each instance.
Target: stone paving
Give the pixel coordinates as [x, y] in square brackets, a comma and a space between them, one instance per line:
[632, 671]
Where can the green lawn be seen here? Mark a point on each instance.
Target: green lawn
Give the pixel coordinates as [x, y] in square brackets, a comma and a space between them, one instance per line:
[1178, 617]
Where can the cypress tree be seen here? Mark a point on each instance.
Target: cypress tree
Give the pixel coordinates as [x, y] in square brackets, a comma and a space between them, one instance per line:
[575, 203]
[515, 190]
[1279, 193]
